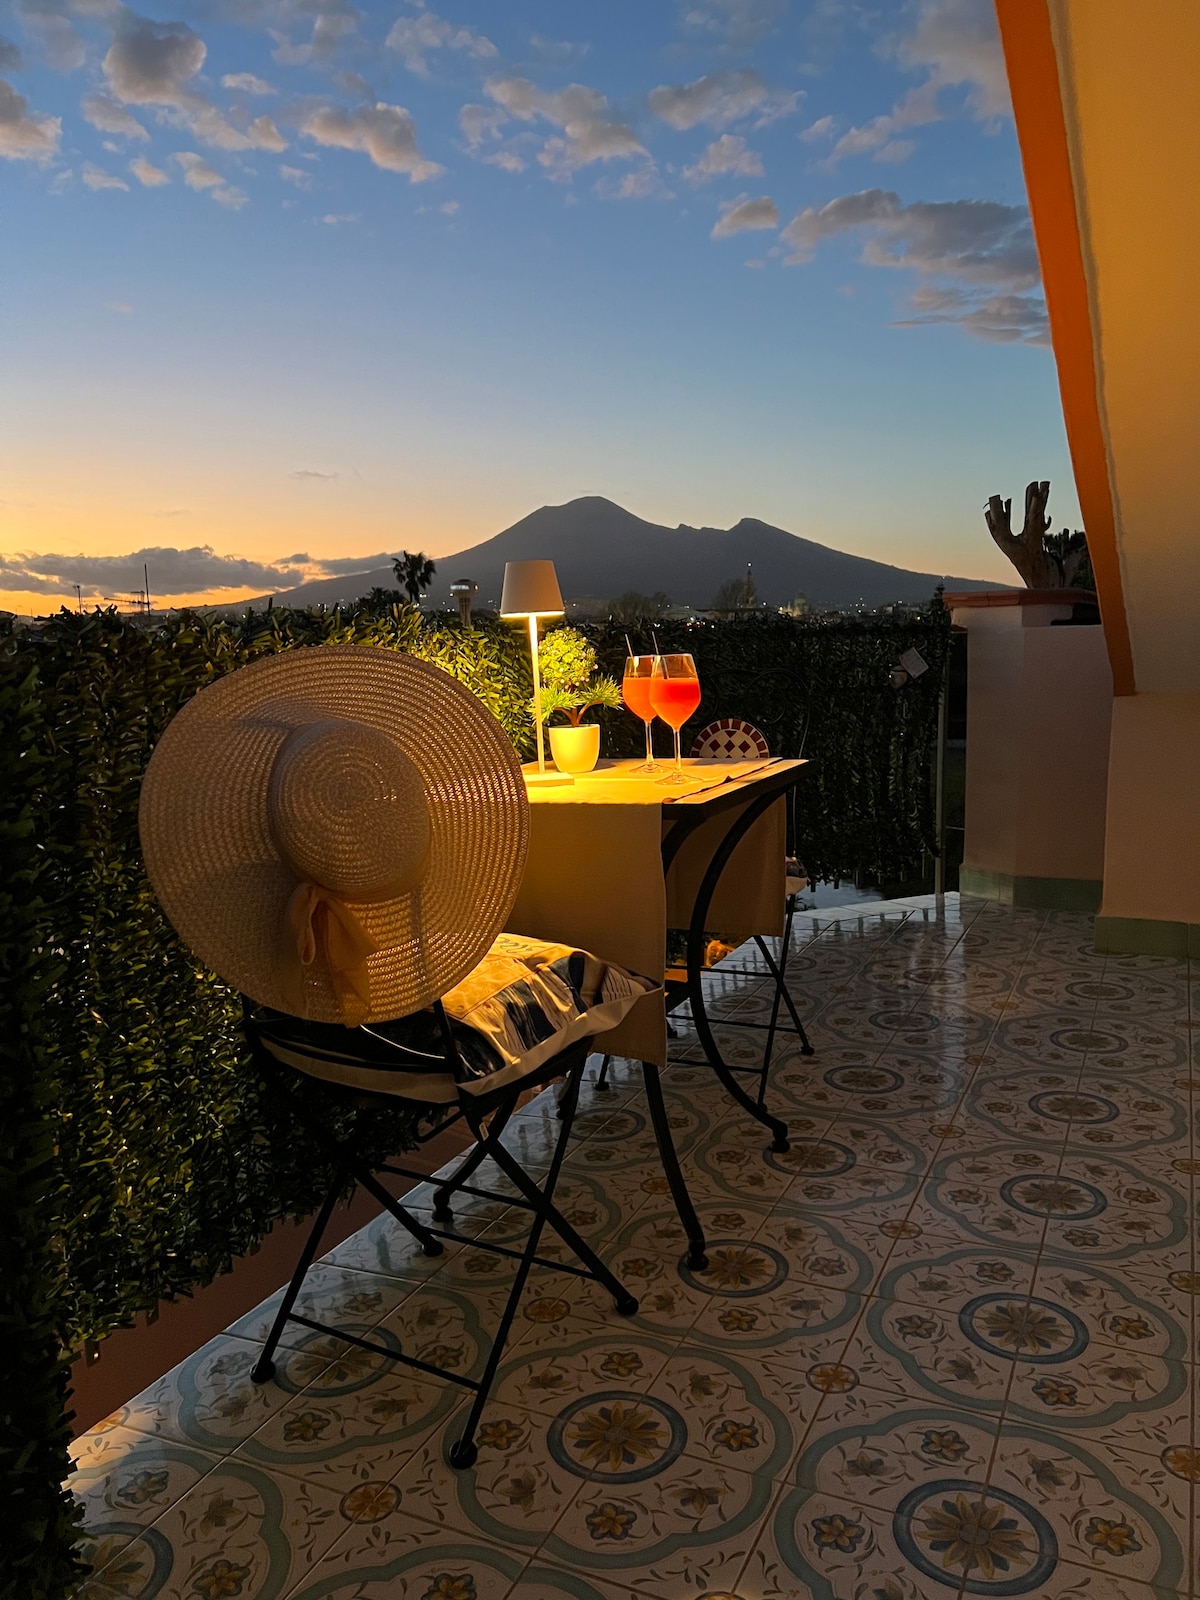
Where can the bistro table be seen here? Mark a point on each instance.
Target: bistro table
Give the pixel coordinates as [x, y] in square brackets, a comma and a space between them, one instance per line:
[618, 857]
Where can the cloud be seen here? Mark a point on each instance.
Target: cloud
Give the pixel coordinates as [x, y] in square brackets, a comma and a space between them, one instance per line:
[296, 175]
[247, 83]
[152, 63]
[980, 241]
[557, 52]
[728, 156]
[25, 135]
[60, 45]
[198, 175]
[306, 472]
[96, 178]
[877, 137]
[332, 219]
[172, 571]
[717, 99]
[507, 161]
[11, 59]
[156, 63]
[150, 176]
[105, 114]
[589, 130]
[213, 128]
[479, 123]
[976, 258]
[1002, 319]
[822, 128]
[230, 196]
[384, 133]
[332, 21]
[744, 214]
[737, 23]
[644, 183]
[958, 41]
[414, 39]
[120, 308]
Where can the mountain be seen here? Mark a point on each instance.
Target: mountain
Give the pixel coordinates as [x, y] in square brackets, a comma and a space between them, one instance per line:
[601, 550]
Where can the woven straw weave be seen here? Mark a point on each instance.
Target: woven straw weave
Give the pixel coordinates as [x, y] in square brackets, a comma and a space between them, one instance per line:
[213, 857]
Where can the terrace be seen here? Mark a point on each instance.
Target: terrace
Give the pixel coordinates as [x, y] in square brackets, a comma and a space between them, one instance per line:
[947, 1343]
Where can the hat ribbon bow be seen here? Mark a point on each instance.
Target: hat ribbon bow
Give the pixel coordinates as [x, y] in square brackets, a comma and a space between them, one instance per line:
[323, 925]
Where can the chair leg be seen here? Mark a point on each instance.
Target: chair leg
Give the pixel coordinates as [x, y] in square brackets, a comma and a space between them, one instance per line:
[263, 1369]
[469, 1166]
[601, 1084]
[464, 1451]
[697, 1258]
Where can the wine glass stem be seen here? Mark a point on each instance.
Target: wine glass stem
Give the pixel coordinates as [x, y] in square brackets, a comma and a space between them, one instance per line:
[678, 756]
[649, 743]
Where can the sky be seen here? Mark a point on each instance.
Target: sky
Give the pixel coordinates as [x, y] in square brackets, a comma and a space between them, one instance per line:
[289, 285]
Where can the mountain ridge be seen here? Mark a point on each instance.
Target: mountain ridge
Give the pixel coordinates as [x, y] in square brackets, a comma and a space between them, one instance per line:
[600, 549]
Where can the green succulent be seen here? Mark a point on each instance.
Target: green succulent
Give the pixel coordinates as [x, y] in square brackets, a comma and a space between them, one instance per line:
[570, 682]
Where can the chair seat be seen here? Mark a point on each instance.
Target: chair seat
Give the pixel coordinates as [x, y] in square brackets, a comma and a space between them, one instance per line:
[526, 1002]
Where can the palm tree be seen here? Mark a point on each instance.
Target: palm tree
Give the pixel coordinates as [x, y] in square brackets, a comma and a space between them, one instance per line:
[414, 573]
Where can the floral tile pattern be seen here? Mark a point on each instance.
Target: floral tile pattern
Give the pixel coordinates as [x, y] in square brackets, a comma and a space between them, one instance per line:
[944, 1346]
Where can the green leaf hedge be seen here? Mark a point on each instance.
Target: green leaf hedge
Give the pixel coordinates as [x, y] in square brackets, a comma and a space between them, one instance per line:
[140, 1153]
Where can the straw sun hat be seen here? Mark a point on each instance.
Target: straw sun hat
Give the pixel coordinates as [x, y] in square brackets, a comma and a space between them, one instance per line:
[339, 832]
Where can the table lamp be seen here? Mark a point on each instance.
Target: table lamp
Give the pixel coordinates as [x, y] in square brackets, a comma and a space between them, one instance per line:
[531, 590]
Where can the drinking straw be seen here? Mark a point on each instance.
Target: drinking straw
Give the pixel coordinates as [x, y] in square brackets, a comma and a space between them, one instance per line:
[628, 646]
[654, 636]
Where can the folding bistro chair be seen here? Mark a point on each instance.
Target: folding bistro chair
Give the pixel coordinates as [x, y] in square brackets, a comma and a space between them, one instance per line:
[339, 832]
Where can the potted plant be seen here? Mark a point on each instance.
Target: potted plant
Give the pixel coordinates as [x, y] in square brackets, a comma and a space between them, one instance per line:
[572, 686]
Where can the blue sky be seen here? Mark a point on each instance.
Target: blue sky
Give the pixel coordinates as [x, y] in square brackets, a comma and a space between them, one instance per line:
[299, 281]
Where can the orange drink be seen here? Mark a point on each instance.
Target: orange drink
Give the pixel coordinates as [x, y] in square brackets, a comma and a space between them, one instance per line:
[636, 686]
[675, 694]
[674, 699]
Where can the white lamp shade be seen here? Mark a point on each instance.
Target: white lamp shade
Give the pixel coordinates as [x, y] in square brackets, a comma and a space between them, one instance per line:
[530, 590]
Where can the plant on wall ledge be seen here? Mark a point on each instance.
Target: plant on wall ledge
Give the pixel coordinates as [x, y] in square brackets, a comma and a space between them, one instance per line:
[1045, 560]
[570, 682]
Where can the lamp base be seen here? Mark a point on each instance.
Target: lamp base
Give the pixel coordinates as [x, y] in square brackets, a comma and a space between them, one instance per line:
[547, 780]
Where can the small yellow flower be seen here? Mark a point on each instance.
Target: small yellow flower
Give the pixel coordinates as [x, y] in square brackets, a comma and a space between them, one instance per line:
[1118, 1538]
[223, 1579]
[611, 1521]
[1183, 1461]
[369, 1502]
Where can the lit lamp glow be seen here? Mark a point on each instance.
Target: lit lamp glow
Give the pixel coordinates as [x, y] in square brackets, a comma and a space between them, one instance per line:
[531, 591]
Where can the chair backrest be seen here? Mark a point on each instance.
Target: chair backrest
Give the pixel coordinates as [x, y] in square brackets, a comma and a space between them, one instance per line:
[730, 739]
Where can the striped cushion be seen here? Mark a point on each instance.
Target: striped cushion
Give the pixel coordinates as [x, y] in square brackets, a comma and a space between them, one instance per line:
[526, 1001]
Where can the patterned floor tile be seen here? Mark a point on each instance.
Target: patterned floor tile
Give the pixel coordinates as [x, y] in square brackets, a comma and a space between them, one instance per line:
[1099, 1508]
[389, 1556]
[124, 1481]
[239, 1531]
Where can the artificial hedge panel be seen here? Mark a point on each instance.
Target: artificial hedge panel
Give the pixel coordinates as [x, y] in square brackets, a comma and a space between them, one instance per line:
[865, 806]
[140, 1151]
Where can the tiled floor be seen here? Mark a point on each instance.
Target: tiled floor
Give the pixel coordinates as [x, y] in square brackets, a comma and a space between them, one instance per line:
[945, 1346]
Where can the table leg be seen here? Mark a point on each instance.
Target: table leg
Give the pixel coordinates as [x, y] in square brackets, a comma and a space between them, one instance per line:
[695, 971]
[697, 1258]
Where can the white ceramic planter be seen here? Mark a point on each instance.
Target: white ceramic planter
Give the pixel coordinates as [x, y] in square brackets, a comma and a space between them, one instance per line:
[575, 750]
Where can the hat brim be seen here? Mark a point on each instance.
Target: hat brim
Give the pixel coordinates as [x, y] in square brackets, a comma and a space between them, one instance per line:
[222, 882]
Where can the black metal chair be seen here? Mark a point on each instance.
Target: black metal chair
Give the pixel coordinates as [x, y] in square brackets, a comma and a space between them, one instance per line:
[363, 1069]
[730, 739]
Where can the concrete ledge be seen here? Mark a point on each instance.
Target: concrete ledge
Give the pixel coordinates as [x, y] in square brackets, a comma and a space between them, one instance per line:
[1034, 894]
[1146, 936]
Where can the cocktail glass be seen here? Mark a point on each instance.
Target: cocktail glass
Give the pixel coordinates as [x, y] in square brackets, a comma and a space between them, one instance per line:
[635, 691]
[675, 694]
